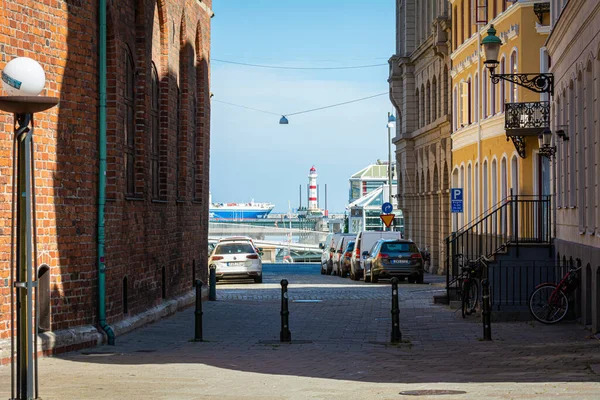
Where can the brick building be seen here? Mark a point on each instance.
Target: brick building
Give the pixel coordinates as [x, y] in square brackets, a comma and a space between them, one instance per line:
[157, 146]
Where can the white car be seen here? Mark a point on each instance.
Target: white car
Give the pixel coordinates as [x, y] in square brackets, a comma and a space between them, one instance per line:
[236, 259]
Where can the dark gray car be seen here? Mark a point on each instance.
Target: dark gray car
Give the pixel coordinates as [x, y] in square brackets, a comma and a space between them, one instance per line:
[394, 258]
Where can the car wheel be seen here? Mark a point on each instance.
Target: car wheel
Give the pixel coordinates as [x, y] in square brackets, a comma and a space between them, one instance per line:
[258, 279]
[322, 270]
[374, 278]
[411, 279]
[420, 278]
[353, 275]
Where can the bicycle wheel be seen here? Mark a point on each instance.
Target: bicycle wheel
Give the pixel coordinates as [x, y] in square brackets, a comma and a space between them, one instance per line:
[466, 290]
[473, 295]
[548, 305]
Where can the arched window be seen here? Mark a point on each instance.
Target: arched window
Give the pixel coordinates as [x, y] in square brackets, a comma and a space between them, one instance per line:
[590, 156]
[492, 98]
[434, 100]
[469, 27]
[484, 103]
[455, 27]
[468, 193]
[195, 185]
[494, 185]
[154, 131]
[514, 171]
[469, 102]
[418, 105]
[513, 70]
[502, 84]
[454, 108]
[444, 91]
[462, 21]
[428, 104]
[475, 105]
[484, 179]
[129, 128]
[423, 111]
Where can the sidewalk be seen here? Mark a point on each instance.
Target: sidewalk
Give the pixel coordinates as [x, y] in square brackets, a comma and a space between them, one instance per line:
[341, 351]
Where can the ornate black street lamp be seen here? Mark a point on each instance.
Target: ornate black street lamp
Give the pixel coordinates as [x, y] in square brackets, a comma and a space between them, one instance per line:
[537, 82]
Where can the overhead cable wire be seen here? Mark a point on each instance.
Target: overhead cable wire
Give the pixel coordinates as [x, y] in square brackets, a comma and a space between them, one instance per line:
[247, 108]
[305, 111]
[297, 68]
[336, 105]
[313, 60]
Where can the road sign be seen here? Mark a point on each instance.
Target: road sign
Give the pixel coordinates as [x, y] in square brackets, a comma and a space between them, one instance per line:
[456, 200]
[387, 219]
[387, 208]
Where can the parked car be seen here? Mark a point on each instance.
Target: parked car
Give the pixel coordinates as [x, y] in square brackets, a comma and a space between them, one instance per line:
[326, 245]
[345, 270]
[235, 259]
[363, 242]
[394, 258]
[333, 254]
[337, 257]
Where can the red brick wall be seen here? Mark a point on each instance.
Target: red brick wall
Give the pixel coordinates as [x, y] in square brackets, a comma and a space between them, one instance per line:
[143, 235]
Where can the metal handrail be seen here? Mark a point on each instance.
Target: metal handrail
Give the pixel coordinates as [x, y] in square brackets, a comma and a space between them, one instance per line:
[515, 220]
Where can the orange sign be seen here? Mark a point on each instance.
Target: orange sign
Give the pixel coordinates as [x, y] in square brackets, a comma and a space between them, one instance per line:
[387, 219]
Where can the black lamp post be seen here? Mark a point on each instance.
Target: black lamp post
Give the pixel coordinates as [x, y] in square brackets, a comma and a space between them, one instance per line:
[537, 82]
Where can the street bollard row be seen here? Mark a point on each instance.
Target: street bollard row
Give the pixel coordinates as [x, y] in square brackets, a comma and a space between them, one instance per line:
[285, 336]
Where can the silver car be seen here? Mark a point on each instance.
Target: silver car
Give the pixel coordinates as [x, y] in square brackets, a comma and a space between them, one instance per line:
[236, 259]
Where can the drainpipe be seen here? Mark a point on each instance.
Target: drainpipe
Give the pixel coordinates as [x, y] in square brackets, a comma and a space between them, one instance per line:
[102, 174]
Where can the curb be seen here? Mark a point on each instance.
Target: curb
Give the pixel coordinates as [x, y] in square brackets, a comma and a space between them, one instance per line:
[72, 339]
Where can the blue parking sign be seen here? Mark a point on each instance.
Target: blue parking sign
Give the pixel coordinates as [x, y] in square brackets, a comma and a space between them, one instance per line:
[456, 200]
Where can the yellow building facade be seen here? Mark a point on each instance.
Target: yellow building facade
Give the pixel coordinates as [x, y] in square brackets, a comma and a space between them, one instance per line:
[485, 163]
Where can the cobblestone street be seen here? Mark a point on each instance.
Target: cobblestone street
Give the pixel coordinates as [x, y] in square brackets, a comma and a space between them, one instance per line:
[340, 350]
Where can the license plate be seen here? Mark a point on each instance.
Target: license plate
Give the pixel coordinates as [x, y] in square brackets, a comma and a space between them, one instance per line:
[235, 264]
[400, 261]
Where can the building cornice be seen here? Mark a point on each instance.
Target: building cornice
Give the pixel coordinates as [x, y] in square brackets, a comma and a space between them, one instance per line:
[206, 8]
[467, 136]
[499, 19]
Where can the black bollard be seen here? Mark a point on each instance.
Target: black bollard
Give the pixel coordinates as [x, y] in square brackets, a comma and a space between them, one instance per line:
[212, 294]
[198, 313]
[396, 334]
[486, 313]
[285, 335]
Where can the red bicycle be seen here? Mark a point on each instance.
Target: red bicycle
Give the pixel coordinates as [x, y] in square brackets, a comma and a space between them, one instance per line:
[549, 302]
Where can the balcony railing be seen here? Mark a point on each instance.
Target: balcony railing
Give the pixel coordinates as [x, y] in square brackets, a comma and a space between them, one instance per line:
[526, 119]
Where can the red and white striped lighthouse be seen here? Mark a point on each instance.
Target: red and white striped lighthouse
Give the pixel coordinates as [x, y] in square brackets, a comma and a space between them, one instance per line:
[312, 190]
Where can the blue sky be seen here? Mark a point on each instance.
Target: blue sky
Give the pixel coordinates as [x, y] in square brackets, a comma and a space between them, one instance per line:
[252, 156]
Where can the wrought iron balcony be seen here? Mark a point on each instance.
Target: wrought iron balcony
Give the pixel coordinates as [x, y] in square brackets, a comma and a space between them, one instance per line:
[525, 119]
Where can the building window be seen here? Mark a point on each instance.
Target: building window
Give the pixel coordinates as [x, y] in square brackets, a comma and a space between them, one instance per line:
[502, 84]
[154, 132]
[129, 125]
[43, 293]
[475, 105]
[195, 148]
[513, 70]
[434, 100]
[485, 82]
[418, 122]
